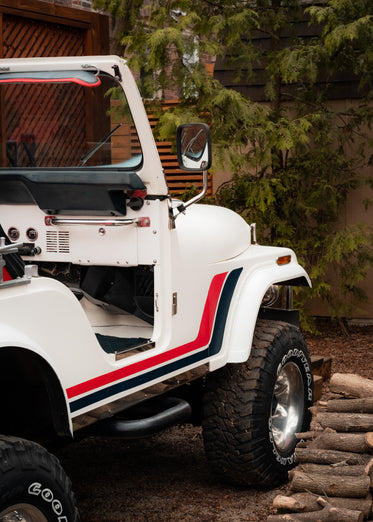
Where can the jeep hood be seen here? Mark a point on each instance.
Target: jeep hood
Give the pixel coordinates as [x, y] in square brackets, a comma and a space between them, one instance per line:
[212, 233]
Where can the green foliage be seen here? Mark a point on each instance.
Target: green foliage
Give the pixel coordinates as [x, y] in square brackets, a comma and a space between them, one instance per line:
[294, 161]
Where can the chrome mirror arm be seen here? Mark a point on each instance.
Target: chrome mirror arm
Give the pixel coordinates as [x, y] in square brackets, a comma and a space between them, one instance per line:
[183, 206]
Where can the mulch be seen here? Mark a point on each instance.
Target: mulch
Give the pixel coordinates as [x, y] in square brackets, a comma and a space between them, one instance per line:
[349, 346]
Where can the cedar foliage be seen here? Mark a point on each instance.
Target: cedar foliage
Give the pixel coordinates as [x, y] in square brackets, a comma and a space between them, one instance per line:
[294, 158]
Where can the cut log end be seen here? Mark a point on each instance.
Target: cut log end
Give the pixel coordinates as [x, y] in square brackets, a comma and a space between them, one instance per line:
[351, 385]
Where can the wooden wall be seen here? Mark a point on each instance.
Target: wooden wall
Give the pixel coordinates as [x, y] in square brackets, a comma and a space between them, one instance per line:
[341, 86]
[36, 28]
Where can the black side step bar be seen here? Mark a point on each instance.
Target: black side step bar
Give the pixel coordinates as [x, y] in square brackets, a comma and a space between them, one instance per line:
[173, 411]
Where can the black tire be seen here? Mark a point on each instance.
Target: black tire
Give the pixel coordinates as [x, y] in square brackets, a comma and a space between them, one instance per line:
[241, 408]
[33, 485]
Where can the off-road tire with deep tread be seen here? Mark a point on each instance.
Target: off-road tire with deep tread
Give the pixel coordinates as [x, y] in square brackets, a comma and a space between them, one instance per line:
[31, 476]
[237, 403]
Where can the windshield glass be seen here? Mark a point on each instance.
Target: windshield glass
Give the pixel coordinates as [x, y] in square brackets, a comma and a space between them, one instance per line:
[72, 119]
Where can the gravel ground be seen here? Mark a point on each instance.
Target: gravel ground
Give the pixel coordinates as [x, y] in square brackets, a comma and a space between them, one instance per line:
[166, 477]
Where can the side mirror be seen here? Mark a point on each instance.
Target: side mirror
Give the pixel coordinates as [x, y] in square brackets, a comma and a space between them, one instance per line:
[194, 154]
[194, 146]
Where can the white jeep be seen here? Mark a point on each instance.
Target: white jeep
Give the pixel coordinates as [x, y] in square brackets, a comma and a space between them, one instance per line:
[122, 310]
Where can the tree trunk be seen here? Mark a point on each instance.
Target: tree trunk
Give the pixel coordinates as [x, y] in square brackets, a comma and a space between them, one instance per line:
[364, 405]
[355, 422]
[330, 485]
[304, 502]
[330, 457]
[351, 385]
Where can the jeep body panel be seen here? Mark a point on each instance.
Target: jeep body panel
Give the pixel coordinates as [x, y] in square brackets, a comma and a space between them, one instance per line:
[91, 378]
[245, 306]
[184, 294]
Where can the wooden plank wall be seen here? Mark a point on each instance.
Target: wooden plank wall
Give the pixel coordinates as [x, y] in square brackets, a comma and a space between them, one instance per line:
[93, 28]
[341, 86]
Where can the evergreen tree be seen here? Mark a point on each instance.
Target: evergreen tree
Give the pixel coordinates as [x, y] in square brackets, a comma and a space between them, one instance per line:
[294, 158]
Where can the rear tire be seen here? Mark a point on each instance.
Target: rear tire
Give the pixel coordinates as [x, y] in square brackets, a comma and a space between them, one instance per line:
[33, 485]
[252, 410]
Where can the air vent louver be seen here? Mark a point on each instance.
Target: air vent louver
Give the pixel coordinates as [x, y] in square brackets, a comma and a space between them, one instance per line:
[58, 242]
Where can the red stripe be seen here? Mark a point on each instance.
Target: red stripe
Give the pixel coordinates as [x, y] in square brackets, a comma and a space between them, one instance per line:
[52, 80]
[6, 276]
[200, 341]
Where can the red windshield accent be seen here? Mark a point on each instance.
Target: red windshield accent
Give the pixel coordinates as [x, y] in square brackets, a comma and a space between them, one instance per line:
[53, 80]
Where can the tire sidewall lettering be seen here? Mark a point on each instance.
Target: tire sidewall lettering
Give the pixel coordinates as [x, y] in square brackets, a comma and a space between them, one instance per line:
[34, 489]
[298, 354]
[46, 494]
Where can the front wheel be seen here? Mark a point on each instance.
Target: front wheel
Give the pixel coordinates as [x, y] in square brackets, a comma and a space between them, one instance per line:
[33, 485]
[252, 410]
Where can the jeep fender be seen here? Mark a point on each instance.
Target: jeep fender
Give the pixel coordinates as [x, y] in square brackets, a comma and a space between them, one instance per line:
[34, 361]
[15, 340]
[244, 309]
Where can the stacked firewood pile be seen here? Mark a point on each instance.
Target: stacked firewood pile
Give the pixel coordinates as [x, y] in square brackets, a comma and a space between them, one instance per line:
[333, 479]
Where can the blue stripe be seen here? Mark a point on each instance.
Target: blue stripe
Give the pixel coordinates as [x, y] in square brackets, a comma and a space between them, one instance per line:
[213, 348]
[222, 313]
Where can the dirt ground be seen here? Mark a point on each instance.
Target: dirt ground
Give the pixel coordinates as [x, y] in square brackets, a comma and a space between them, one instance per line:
[166, 477]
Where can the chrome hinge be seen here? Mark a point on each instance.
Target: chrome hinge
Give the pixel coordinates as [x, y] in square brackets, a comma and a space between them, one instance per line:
[174, 303]
[253, 233]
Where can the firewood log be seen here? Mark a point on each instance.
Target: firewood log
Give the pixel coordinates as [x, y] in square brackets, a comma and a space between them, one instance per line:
[351, 442]
[307, 435]
[330, 456]
[369, 467]
[305, 502]
[353, 471]
[330, 485]
[345, 422]
[364, 405]
[351, 385]
[328, 513]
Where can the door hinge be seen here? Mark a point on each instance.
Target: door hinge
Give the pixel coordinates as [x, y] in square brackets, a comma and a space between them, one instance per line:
[174, 303]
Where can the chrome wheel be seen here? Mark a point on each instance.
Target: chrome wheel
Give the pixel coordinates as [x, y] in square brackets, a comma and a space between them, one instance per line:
[22, 513]
[287, 407]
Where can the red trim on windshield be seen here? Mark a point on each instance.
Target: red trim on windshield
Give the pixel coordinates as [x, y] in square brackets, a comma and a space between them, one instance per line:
[53, 80]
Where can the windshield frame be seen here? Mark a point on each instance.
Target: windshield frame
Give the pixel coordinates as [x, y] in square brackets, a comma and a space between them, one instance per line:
[91, 78]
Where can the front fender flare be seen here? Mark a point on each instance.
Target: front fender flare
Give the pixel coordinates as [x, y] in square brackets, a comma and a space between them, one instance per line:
[245, 307]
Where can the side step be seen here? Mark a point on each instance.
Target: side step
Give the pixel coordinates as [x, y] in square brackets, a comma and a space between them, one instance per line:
[170, 411]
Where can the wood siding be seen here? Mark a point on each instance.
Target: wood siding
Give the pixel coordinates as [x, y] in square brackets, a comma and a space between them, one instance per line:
[341, 86]
[92, 29]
